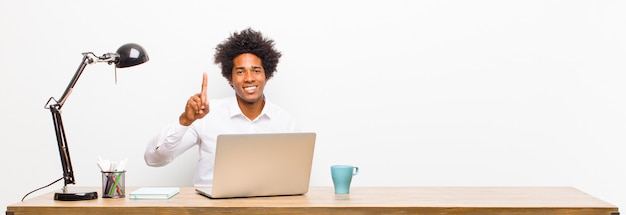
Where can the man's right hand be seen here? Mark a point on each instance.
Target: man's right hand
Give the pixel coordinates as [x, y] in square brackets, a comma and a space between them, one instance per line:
[197, 106]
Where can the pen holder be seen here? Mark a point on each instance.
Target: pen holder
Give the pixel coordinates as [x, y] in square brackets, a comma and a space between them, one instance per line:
[114, 184]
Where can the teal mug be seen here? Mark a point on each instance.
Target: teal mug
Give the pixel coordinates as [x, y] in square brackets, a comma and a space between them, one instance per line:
[342, 177]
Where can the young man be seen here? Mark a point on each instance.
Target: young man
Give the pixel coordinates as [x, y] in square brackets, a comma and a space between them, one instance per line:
[248, 60]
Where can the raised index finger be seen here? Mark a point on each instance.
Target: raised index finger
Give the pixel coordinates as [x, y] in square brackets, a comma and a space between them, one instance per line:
[204, 86]
[204, 83]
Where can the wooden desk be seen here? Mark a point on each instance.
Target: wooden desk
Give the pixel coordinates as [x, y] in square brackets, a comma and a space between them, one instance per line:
[362, 200]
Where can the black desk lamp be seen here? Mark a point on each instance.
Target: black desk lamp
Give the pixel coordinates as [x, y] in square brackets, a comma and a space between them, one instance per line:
[126, 56]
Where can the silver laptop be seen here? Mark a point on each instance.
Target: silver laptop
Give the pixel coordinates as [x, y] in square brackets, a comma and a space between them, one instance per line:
[248, 165]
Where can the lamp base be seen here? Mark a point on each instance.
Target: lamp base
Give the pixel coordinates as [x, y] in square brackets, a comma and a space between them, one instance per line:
[75, 196]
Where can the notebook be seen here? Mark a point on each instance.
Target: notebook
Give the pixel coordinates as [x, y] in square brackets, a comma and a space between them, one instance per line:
[154, 193]
[248, 165]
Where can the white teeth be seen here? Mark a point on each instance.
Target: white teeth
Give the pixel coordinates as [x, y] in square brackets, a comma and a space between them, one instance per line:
[252, 88]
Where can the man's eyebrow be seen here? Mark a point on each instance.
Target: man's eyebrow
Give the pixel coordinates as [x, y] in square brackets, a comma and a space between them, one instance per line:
[243, 67]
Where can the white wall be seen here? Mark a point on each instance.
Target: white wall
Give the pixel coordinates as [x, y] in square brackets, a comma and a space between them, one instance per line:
[417, 93]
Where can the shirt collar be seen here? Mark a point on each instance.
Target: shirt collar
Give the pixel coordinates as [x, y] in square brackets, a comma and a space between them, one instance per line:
[236, 111]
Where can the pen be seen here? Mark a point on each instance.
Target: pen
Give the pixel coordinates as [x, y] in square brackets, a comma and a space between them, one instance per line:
[116, 180]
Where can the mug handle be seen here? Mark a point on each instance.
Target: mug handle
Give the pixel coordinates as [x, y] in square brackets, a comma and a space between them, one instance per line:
[356, 170]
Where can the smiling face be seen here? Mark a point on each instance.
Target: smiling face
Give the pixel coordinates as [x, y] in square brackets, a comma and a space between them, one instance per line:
[248, 78]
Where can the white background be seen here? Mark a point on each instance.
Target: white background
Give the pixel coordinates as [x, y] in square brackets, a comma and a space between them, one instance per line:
[416, 93]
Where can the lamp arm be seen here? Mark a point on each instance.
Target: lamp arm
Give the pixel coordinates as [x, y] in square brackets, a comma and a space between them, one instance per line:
[86, 60]
[55, 110]
[64, 152]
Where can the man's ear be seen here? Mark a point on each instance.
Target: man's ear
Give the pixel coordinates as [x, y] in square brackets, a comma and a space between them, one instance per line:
[230, 82]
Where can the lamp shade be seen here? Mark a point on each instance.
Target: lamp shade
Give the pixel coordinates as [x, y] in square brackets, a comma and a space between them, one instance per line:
[131, 54]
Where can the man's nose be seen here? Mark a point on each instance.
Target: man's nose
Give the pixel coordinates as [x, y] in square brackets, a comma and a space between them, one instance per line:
[249, 76]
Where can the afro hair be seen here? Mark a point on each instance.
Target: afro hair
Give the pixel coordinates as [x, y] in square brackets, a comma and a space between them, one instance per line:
[247, 41]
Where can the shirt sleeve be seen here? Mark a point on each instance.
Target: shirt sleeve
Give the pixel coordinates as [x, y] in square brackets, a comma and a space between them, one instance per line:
[169, 144]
